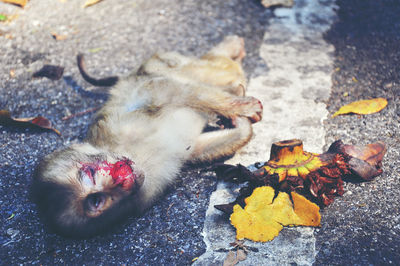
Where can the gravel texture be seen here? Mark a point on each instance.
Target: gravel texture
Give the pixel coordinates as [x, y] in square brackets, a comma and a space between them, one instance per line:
[363, 227]
[116, 37]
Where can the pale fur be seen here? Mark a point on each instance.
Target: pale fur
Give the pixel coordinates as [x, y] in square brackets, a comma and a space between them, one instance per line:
[156, 118]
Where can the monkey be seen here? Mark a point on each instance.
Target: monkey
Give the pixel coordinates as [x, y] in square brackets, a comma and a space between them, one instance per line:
[152, 123]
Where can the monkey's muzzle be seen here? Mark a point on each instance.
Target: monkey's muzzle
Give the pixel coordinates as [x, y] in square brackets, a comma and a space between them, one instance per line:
[124, 174]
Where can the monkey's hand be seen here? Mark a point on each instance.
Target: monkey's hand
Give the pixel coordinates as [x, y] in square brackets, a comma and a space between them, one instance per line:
[249, 107]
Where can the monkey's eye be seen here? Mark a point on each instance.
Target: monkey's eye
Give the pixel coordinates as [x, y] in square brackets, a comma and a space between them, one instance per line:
[95, 201]
[91, 170]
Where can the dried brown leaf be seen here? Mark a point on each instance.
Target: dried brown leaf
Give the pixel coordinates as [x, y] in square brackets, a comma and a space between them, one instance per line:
[50, 72]
[230, 259]
[39, 121]
[372, 153]
[58, 37]
[241, 255]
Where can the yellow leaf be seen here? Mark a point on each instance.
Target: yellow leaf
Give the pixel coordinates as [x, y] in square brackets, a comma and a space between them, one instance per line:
[95, 50]
[20, 3]
[91, 2]
[264, 217]
[363, 107]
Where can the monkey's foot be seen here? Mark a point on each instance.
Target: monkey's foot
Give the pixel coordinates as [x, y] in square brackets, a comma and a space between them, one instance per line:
[232, 47]
[235, 47]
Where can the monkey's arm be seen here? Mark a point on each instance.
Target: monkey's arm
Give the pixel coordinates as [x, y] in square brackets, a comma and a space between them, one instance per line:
[220, 143]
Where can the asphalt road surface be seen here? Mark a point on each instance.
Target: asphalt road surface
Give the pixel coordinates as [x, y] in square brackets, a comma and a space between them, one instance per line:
[334, 53]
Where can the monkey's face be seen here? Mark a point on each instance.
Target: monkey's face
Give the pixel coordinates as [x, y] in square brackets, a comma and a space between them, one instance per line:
[81, 191]
[103, 183]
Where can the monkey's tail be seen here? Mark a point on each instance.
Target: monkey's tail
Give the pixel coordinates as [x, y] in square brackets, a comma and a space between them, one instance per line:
[104, 82]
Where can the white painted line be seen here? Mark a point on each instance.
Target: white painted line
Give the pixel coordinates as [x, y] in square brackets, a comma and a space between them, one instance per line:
[300, 64]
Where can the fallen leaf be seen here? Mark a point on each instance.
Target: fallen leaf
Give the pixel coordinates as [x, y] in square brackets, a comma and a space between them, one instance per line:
[363, 107]
[50, 72]
[241, 255]
[230, 259]
[354, 79]
[372, 153]
[38, 121]
[366, 161]
[91, 2]
[264, 217]
[58, 37]
[12, 73]
[95, 50]
[20, 3]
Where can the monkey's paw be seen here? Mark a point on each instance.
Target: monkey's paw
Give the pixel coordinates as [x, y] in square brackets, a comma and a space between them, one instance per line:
[234, 45]
[249, 107]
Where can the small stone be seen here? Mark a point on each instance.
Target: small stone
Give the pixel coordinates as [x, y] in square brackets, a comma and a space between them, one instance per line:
[12, 232]
[270, 3]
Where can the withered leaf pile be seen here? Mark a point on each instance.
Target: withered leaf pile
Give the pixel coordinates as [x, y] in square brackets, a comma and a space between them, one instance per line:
[264, 206]
[319, 177]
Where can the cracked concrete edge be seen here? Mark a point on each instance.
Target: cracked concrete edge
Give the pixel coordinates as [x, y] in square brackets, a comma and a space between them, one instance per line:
[300, 64]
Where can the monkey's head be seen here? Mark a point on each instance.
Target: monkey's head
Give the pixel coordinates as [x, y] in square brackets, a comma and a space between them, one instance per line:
[81, 191]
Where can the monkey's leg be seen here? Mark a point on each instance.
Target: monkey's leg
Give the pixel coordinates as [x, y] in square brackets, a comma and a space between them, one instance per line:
[221, 66]
[230, 76]
[221, 143]
[207, 100]
[220, 72]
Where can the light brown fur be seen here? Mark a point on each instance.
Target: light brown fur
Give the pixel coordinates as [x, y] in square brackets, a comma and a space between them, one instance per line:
[155, 118]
